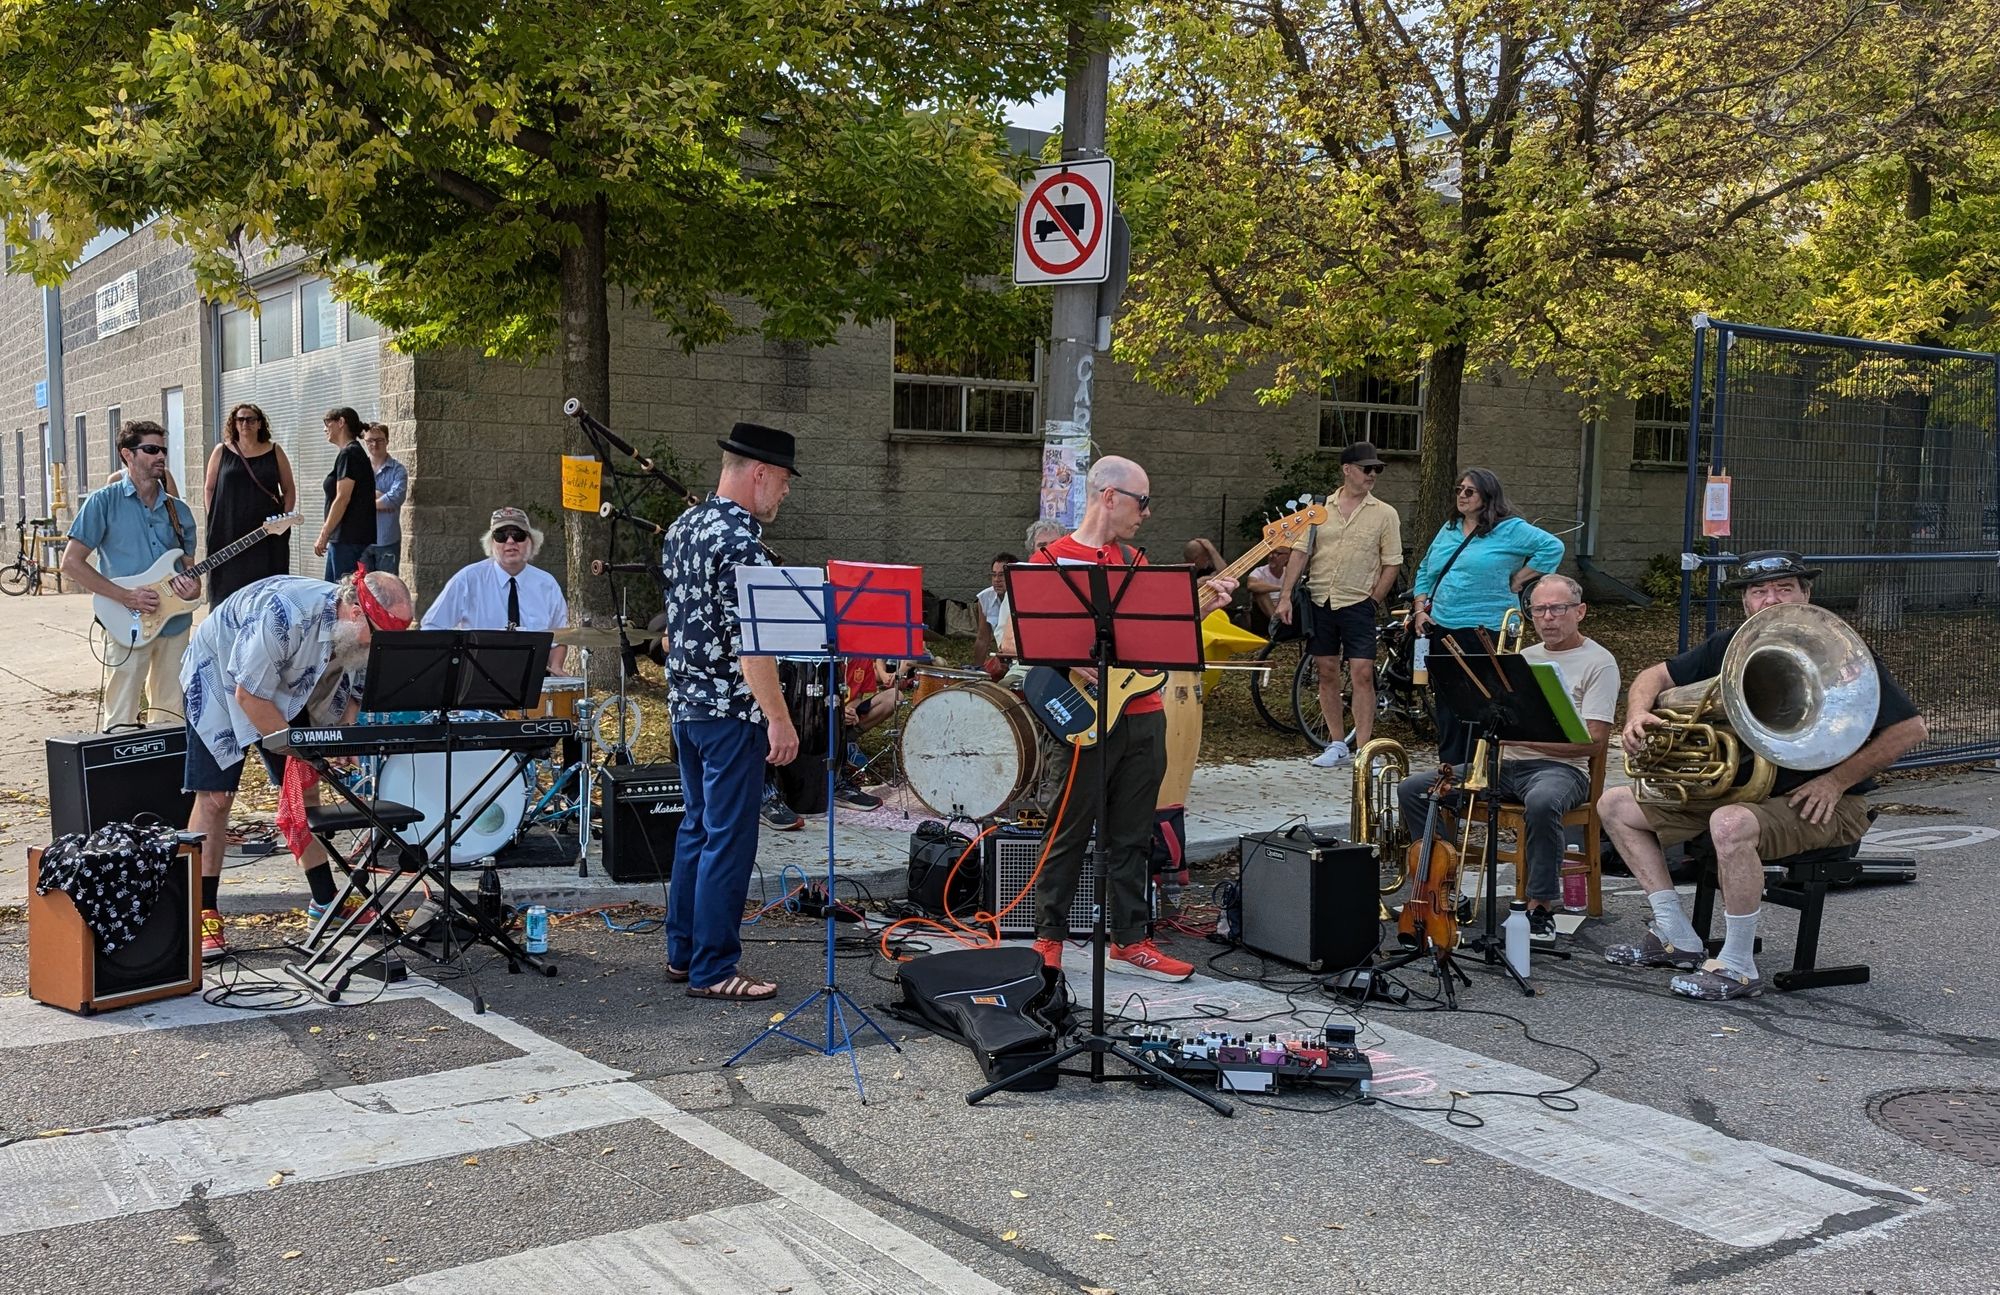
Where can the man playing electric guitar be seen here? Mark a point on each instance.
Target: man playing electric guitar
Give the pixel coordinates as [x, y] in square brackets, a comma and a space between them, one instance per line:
[1134, 750]
[129, 525]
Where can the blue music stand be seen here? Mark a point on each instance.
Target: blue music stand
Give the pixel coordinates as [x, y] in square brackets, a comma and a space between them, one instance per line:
[783, 610]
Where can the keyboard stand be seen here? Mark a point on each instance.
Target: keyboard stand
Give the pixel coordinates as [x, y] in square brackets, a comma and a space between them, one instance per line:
[335, 949]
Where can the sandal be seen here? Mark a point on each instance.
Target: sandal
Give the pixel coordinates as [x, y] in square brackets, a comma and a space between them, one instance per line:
[676, 975]
[736, 989]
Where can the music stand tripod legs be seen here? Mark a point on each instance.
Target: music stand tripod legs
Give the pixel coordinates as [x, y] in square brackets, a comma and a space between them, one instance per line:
[1101, 606]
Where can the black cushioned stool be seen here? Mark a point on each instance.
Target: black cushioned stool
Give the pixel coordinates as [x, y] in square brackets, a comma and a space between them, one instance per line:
[1799, 882]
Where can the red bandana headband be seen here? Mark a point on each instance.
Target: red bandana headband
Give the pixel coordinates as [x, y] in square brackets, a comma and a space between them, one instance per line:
[377, 614]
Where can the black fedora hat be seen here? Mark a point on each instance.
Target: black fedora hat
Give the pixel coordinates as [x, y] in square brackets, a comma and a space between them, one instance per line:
[764, 444]
[1769, 564]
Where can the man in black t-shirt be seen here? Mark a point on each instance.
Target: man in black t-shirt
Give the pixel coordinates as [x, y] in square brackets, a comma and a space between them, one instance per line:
[1807, 809]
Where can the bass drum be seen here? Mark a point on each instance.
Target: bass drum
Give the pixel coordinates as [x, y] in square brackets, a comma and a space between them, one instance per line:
[419, 782]
[972, 751]
[802, 783]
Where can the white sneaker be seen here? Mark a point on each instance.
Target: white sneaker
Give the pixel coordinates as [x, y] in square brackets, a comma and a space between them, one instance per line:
[1335, 755]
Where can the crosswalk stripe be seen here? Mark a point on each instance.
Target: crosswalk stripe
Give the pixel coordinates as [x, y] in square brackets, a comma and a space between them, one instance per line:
[1736, 1191]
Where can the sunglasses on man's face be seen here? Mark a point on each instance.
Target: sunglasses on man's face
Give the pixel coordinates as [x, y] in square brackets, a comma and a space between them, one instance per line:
[1372, 469]
[150, 449]
[1144, 501]
[510, 535]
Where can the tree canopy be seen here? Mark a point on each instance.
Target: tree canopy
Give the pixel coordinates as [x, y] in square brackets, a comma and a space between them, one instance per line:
[482, 175]
[1539, 183]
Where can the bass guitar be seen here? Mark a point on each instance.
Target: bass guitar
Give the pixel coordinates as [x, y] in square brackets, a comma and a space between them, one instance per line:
[1070, 706]
[128, 628]
[1430, 916]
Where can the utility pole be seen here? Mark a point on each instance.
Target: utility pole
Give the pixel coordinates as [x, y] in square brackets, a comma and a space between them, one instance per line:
[1073, 328]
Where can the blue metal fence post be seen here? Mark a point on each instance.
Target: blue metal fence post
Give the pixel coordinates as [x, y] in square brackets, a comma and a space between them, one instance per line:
[1693, 484]
[1716, 462]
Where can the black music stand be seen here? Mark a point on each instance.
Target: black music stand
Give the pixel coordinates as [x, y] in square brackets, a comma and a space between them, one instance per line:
[1111, 619]
[838, 616]
[437, 672]
[1503, 701]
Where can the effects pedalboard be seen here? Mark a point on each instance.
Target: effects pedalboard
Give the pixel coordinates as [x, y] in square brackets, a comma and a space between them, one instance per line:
[1259, 1063]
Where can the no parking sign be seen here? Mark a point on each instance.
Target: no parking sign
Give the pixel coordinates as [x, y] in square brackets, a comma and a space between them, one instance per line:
[1061, 235]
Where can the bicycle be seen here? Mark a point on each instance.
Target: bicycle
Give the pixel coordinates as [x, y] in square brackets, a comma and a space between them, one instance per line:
[1396, 693]
[24, 574]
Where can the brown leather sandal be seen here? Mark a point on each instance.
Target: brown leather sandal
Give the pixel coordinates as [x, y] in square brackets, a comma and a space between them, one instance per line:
[736, 989]
[676, 975]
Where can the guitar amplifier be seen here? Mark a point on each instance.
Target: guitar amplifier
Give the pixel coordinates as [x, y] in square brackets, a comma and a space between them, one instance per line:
[99, 778]
[1010, 858]
[1309, 898]
[643, 807]
[67, 970]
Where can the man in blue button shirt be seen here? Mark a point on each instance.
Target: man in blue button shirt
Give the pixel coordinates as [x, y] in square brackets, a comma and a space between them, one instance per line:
[392, 486]
[128, 525]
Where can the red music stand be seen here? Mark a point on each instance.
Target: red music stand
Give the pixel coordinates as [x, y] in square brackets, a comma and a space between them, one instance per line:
[1104, 618]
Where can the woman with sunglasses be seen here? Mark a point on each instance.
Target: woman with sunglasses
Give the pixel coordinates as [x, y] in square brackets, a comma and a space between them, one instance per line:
[1473, 572]
[249, 480]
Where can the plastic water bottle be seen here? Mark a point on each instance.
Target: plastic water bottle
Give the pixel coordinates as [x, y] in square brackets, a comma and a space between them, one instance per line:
[1420, 660]
[1516, 928]
[535, 929]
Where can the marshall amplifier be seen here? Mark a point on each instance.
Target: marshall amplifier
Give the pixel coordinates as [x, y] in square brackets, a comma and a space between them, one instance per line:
[642, 816]
[99, 778]
[1309, 898]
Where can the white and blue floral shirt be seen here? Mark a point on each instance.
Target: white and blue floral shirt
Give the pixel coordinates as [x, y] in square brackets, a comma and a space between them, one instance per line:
[273, 639]
[700, 555]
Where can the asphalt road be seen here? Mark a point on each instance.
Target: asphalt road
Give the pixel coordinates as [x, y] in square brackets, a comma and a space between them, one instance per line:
[581, 1134]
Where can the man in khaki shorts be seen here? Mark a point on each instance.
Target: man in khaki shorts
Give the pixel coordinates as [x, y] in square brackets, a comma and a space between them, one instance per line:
[1808, 809]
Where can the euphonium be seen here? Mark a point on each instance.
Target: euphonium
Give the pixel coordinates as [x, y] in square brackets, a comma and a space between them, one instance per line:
[1373, 818]
[1513, 631]
[1798, 689]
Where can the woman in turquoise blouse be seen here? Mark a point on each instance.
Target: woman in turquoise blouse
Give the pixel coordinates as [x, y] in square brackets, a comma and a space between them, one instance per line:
[1503, 554]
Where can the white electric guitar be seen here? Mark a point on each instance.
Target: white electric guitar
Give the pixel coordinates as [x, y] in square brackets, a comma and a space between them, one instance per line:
[128, 628]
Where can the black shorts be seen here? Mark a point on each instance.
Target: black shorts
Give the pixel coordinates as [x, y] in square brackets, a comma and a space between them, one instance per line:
[1344, 631]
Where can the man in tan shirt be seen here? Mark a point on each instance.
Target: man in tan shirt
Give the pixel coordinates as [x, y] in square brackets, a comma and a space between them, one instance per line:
[1349, 568]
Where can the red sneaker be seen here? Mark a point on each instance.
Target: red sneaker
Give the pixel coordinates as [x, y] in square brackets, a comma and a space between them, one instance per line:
[1146, 959]
[213, 948]
[1051, 951]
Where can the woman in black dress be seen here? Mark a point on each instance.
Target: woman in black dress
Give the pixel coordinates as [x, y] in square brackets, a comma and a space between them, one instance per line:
[249, 480]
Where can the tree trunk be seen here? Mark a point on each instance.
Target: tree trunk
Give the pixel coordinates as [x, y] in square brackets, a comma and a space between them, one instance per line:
[586, 376]
[1437, 465]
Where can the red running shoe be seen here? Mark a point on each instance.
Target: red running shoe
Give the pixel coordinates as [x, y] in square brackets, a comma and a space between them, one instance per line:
[1051, 951]
[1146, 959]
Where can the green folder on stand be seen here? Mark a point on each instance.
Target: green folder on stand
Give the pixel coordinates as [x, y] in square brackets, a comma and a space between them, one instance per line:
[1557, 696]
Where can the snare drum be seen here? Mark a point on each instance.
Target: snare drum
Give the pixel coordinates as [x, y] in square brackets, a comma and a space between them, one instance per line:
[931, 680]
[971, 750]
[419, 782]
[561, 693]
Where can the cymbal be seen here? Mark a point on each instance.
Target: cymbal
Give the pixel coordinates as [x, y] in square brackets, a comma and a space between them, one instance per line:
[603, 638]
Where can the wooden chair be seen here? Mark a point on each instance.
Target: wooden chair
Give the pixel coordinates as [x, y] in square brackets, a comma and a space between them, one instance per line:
[1584, 859]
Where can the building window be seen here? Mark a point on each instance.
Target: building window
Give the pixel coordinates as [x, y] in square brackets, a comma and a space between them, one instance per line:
[274, 329]
[1380, 406]
[360, 327]
[114, 419]
[79, 470]
[235, 325]
[319, 316]
[985, 392]
[1660, 431]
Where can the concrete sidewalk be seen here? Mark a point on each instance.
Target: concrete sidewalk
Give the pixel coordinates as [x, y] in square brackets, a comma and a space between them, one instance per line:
[49, 684]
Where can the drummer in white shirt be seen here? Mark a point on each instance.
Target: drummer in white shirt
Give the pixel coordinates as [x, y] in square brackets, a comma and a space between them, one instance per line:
[504, 592]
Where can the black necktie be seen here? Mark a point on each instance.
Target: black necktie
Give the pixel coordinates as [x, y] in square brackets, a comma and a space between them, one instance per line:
[513, 604]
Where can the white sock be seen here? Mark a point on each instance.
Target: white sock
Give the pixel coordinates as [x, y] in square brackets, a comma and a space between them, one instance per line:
[1670, 924]
[1739, 943]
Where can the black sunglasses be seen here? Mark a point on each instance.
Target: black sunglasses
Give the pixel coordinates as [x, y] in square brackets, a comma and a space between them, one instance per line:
[1372, 469]
[150, 449]
[1144, 501]
[511, 535]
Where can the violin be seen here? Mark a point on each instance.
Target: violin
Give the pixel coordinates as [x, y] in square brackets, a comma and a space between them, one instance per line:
[1430, 916]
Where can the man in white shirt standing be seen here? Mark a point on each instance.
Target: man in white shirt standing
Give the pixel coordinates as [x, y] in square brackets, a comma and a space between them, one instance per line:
[504, 592]
[1547, 779]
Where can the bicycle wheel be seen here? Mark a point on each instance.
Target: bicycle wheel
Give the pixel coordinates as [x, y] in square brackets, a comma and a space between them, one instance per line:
[14, 579]
[1306, 711]
[1268, 689]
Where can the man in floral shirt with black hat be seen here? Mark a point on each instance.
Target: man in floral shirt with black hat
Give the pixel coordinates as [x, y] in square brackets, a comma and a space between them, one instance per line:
[728, 712]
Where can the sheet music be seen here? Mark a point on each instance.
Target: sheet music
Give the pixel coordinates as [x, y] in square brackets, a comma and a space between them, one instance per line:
[782, 609]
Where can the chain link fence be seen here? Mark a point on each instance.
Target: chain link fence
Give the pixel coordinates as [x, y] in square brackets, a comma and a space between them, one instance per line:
[1878, 462]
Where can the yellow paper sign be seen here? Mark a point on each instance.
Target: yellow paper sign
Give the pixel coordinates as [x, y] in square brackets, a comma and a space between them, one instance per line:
[583, 483]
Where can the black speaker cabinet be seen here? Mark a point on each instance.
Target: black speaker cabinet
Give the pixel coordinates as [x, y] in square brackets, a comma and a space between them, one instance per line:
[1010, 858]
[1309, 898]
[643, 807]
[66, 970]
[99, 778]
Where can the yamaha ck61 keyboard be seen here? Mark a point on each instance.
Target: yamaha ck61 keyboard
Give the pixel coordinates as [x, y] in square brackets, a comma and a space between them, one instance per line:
[398, 739]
